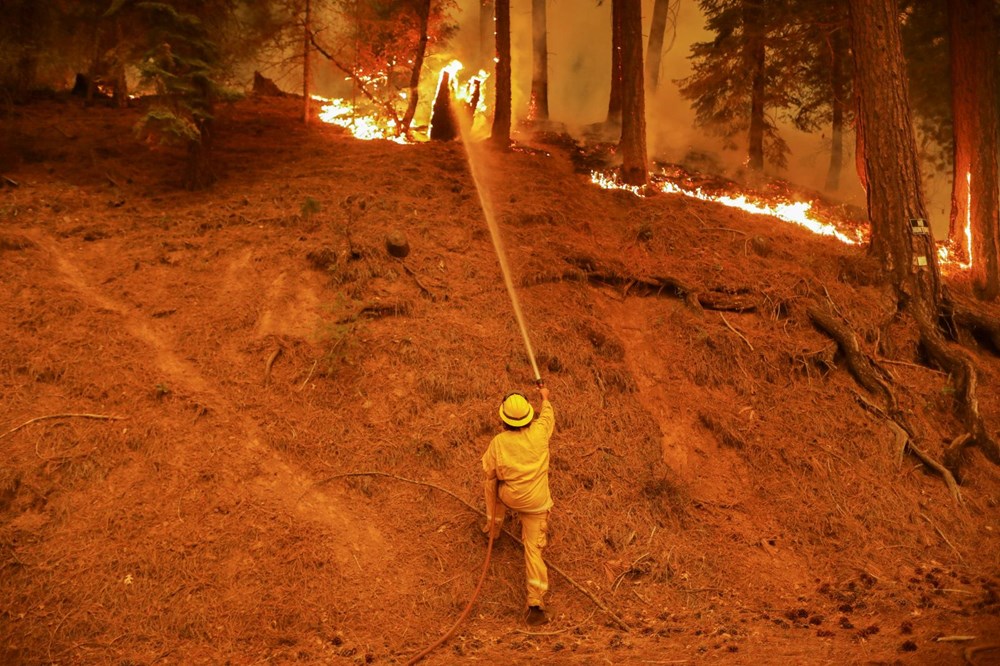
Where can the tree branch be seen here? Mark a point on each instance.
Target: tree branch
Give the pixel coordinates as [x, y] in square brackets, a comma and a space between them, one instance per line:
[386, 107]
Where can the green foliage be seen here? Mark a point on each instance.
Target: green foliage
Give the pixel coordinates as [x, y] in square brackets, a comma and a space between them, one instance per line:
[803, 38]
[721, 82]
[179, 64]
[310, 207]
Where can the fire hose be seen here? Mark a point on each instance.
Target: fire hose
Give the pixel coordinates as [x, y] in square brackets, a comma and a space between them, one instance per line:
[465, 613]
[569, 579]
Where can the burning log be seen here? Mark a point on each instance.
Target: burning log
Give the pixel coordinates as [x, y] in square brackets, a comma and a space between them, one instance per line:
[444, 122]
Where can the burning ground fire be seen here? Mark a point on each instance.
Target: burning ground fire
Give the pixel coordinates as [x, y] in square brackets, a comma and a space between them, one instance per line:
[375, 126]
[796, 212]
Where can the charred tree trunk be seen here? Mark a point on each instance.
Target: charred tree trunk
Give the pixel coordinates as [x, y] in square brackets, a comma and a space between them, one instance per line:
[539, 108]
[974, 199]
[654, 51]
[200, 168]
[838, 85]
[753, 27]
[444, 122]
[423, 17]
[633, 139]
[615, 99]
[306, 64]
[500, 134]
[487, 42]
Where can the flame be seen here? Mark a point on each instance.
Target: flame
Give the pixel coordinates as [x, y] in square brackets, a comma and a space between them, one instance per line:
[372, 126]
[366, 127]
[797, 212]
[945, 250]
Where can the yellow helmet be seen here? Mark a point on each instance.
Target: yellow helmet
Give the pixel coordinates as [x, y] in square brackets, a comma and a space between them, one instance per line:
[515, 410]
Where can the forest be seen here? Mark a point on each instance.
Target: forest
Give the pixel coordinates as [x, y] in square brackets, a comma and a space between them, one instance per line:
[268, 268]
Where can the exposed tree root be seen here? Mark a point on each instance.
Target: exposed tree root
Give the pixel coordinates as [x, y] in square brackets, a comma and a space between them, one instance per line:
[965, 315]
[860, 365]
[731, 300]
[870, 376]
[959, 364]
[904, 442]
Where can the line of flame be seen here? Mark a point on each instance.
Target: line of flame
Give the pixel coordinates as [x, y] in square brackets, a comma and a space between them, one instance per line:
[796, 212]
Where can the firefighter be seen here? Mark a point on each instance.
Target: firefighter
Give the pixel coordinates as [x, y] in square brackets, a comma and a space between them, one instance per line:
[516, 472]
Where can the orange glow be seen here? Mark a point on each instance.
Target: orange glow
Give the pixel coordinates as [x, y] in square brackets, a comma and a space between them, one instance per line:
[944, 251]
[796, 212]
[372, 126]
[340, 112]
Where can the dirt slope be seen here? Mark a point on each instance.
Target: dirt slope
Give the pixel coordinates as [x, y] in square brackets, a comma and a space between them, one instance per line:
[718, 484]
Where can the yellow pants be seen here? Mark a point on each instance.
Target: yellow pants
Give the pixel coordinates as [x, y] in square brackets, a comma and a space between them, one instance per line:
[534, 536]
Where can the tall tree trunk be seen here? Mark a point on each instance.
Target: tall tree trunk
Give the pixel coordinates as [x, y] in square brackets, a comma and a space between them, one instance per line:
[92, 69]
[755, 54]
[633, 140]
[891, 162]
[974, 199]
[121, 82]
[539, 107]
[654, 51]
[895, 198]
[307, 64]
[859, 142]
[615, 99]
[423, 16]
[487, 42]
[500, 134]
[838, 52]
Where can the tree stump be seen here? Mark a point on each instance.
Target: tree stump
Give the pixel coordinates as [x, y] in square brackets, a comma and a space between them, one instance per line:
[444, 123]
[397, 245]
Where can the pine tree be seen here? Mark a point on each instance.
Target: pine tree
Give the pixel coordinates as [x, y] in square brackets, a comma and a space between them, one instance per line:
[733, 85]
[895, 199]
[539, 105]
[181, 64]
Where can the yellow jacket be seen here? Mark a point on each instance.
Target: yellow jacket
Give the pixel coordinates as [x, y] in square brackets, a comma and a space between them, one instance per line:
[519, 459]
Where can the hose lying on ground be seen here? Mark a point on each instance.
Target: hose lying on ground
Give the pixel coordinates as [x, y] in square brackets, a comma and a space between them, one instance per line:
[617, 620]
[475, 595]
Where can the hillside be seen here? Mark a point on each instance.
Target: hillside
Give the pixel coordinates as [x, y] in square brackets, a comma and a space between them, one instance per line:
[719, 484]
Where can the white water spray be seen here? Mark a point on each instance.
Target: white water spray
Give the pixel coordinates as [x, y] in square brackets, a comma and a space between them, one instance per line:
[476, 168]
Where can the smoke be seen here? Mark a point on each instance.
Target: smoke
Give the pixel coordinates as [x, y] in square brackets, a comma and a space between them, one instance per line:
[579, 56]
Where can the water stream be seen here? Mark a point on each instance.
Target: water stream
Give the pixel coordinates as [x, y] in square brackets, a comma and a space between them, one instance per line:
[472, 152]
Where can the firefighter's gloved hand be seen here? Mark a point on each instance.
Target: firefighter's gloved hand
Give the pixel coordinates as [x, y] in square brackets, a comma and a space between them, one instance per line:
[496, 522]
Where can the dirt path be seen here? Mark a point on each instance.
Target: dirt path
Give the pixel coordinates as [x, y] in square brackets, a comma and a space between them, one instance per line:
[275, 482]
